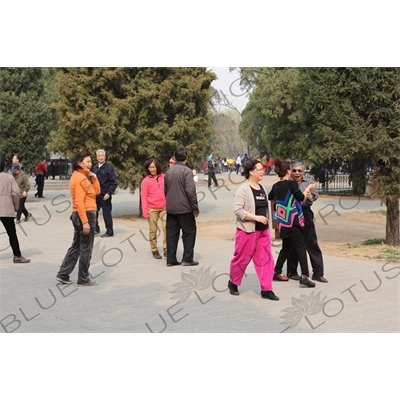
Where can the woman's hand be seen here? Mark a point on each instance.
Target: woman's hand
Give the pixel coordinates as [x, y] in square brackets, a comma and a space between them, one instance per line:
[86, 228]
[262, 219]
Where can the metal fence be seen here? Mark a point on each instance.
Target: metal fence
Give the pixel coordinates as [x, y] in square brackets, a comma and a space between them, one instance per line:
[332, 182]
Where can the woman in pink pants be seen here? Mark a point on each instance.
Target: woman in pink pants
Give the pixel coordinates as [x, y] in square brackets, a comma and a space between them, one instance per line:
[253, 240]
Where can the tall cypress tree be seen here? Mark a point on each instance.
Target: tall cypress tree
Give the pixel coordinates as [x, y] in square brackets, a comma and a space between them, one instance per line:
[26, 116]
[134, 114]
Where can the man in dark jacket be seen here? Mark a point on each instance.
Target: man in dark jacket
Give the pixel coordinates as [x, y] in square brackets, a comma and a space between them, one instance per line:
[108, 183]
[182, 210]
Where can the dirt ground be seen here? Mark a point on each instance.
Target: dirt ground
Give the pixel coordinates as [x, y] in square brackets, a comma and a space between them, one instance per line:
[343, 236]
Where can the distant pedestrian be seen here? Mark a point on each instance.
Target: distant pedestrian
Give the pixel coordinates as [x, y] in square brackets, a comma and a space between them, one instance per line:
[182, 210]
[9, 205]
[211, 166]
[41, 173]
[23, 183]
[108, 182]
[83, 187]
[153, 203]
[238, 163]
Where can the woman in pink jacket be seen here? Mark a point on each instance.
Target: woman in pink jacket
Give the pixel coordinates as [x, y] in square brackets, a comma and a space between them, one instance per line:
[153, 203]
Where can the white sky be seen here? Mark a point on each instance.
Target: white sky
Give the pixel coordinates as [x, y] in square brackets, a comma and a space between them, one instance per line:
[228, 84]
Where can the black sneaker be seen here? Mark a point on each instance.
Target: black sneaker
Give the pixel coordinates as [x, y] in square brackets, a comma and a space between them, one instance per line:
[305, 281]
[17, 221]
[89, 283]
[28, 217]
[269, 294]
[190, 264]
[233, 289]
[63, 280]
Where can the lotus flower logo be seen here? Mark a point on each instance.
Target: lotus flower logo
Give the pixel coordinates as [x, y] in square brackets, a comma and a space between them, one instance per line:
[306, 305]
[191, 282]
[97, 253]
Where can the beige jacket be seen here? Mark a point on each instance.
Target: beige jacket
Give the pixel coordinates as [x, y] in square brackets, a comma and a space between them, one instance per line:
[9, 195]
[245, 204]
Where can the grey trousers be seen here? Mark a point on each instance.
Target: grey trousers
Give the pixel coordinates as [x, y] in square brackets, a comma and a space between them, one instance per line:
[82, 248]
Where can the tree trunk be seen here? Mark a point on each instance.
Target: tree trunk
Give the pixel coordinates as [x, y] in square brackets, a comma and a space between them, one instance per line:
[392, 221]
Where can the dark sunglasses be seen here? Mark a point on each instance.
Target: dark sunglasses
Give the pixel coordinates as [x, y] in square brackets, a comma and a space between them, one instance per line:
[297, 170]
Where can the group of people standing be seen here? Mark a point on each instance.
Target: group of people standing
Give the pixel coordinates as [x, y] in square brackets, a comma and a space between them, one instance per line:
[292, 193]
[171, 199]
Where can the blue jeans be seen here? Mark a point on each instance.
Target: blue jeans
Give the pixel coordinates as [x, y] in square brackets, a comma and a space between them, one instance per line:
[82, 248]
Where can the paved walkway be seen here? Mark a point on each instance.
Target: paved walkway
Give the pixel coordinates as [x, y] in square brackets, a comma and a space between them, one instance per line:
[137, 293]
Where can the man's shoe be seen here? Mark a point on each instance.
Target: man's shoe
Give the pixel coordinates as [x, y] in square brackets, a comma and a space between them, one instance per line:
[63, 280]
[319, 278]
[233, 289]
[96, 231]
[269, 294]
[295, 277]
[28, 217]
[190, 264]
[280, 277]
[17, 221]
[305, 281]
[106, 235]
[157, 255]
[89, 283]
[21, 260]
[173, 264]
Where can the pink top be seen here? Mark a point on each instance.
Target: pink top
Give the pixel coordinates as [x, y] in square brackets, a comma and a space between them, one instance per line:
[152, 194]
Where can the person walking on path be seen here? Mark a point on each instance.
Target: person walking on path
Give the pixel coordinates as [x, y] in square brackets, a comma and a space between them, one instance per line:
[310, 234]
[23, 183]
[83, 186]
[153, 203]
[41, 172]
[253, 238]
[238, 163]
[290, 218]
[182, 210]
[108, 182]
[9, 204]
[211, 171]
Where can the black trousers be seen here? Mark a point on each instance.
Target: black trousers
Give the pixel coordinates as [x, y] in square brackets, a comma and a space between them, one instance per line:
[106, 206]
[9, 226]
[175, 223]
[298, 244]
[81, 248]
[313, 249]
[211, 175]
[40, 184]
[22, 209]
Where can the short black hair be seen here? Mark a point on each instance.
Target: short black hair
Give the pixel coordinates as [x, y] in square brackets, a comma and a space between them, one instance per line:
[180, 154]
[18, 156]
[249, 166]
[79, 157]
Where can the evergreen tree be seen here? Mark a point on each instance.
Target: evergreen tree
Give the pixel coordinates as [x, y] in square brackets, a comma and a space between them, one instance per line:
[26, 116]
[134, 114]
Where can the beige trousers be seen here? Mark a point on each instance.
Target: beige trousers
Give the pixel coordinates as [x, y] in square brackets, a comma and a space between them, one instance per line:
[154, 216]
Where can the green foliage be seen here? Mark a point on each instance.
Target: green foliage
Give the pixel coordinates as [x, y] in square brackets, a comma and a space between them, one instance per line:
[26, 116]
[370, 242]
[134, 114]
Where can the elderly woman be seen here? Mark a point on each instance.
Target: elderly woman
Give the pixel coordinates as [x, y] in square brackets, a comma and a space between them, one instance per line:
[83, 186]
[9, 204]
[153, 203]
[253, 239]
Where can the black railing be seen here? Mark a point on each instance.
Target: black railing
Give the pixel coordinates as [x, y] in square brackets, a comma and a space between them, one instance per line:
[332, 182]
